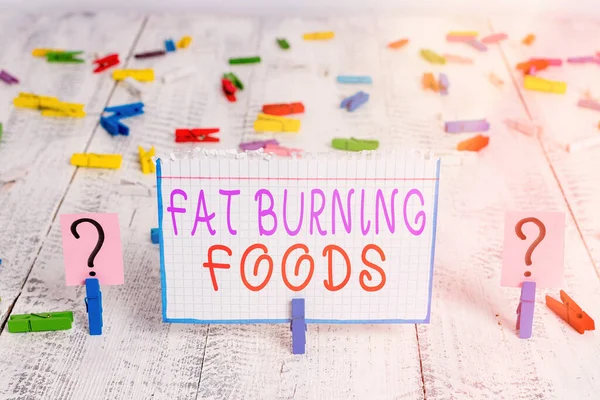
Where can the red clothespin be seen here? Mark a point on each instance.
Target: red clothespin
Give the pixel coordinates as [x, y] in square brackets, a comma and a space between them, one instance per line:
[571, 313]
[106, 62]
[283, 109]
[229, 89]
[196, 135]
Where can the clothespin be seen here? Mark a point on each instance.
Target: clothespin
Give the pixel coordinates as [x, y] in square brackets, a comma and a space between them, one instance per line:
[398, 44]
[428, 82]
[283, 109]
[8, 78]
[244, 60]
[93, 303]
[525, 310]
[283, 44]
[494, 38]
[126, 110]
[589, 104]
[432, 57]
[148, 167]
[444, 84]
[184, 42]
[480, 125]
[473, 144]
[281, 151]
[476, 44]
[259, 144]
[196, 135]
[298, 327]
[30, 100]
[64, 56]
[62, 109]
[90, 160]
[523, 126]
[141, 75]
[170, 45]
[354, 79]
[43, 52]
[544, 85]
[155, 235]
[55, 321]
[114, 126]
[106, 62]
[318, 35]
[228, 89]
[150, 54]
[528, 40]
[354, 144]
[353, 102]
[231, 77]
[273, 123]
[571, 313]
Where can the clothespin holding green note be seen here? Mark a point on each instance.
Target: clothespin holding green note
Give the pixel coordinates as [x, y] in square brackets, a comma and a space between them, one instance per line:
[57, 321]
[64, 56]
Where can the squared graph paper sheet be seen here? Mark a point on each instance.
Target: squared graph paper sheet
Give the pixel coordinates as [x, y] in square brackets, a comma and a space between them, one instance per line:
[242, 235]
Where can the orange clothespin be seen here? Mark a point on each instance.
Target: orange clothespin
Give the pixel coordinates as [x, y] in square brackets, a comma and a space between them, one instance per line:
[571, 313]
[428, 82]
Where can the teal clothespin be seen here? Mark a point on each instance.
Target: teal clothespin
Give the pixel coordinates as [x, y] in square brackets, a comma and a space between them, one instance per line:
[353, 144]
[57, 321]
[64, 56]
[230, 76]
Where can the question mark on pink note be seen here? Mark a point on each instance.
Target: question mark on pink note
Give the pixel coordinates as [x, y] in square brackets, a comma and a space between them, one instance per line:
[99, 243]
[535, 243]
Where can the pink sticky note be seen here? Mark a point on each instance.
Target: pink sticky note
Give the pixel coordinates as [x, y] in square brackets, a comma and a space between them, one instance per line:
[78, 253]
[546, 258]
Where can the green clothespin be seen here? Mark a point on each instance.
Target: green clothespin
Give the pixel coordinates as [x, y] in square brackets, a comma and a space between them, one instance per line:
[234, 79]
[244, 60]
[283, 44]
[64, 56]
[57, 321]
[353, 144]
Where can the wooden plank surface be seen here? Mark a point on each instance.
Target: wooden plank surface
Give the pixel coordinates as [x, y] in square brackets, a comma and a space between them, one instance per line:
[470, 349]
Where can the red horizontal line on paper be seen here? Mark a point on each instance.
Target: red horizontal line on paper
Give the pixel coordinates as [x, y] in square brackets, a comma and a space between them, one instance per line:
[247, 178]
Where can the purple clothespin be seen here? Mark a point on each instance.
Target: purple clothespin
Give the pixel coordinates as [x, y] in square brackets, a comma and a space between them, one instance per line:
[8, 78]
[353, 102]
[259, 144]
[298, 327]
[480, 125]
[581, 60]
[525, 310]
[444, 84]
[476, 44]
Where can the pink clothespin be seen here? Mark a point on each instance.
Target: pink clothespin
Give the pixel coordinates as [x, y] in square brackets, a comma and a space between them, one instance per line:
[281, 151]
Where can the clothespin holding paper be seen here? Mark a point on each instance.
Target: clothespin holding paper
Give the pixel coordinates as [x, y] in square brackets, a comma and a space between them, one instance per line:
[533, 257]
[571, 313]
[298, 327]
[101, 265]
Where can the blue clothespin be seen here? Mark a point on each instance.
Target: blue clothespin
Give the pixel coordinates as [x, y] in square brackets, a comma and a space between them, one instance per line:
[114, 126]
[169, 45]
[93, 302]
[298, 327]
[126, 110]
[155, 235]
[525, 310]
[353, 102]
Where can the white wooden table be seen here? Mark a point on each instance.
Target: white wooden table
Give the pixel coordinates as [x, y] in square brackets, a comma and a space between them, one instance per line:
[469, 350]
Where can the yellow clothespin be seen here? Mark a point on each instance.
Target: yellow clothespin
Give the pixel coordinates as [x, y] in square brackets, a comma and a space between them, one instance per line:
[318, 35]
[141, 75]
[274, 123]
[432, 57]
[62, 109]
[184, 42]
[543, 85]
[43, 52]
[90, 160]
[463, 33]
[148, 166]
[30, 100]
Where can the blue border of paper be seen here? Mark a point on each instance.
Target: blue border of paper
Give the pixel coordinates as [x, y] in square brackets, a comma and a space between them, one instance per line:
[163, 280]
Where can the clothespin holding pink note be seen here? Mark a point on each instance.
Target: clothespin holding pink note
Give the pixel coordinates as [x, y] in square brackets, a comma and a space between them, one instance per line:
[93, 256]
[533, 257]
